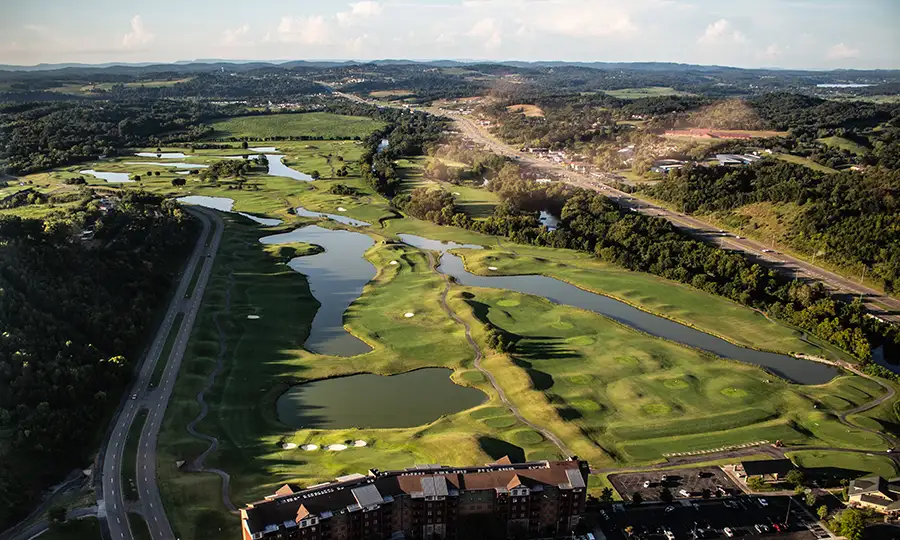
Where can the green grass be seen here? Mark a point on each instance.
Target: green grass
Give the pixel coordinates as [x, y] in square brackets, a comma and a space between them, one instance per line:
[325, 125]
[854, 465]
[138, 526]
[650, 91]
[79, 529]
[790, 158]
[163, 359]
[844, 144]
[129, 474]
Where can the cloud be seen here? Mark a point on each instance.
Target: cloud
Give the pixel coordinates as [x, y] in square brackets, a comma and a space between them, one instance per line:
[359, 11]
[236, 35]
[489, 30]
[138, 35]
[721, 31]
[772, 51]
[842, 51]
[309, 30]
[574, 18]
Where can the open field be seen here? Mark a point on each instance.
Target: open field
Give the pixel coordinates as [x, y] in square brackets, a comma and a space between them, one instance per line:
[718, 135]
[650, 91]
[379, 94]
[317, 124]
[526, 109]
[790, 158]
[849, 465]
[79, 529]
[844, 144]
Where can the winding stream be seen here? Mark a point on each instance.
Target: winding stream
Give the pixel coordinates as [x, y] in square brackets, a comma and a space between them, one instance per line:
[560, 292]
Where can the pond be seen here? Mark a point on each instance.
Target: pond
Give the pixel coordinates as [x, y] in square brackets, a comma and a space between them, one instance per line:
[224, 204]
[303, 212]
[277, 168]
[111, 177]
[161, 164]
[375, 401]
[560, 292]
[336, 279]
[163, 155]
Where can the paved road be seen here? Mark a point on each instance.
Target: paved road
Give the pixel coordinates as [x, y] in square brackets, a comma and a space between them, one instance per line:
[154, 400]
[880, 304]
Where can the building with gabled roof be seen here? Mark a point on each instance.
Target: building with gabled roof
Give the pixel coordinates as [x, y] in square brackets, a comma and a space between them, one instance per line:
[524, 500]
[875, 492]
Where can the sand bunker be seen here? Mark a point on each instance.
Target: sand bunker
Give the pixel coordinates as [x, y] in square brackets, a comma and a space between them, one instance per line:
[289, 446]
[394, 263]
[341, 209]
[492, 267]
[408, 315]
[336, 447]
[360, 443]
[309, 447]
[253, 317]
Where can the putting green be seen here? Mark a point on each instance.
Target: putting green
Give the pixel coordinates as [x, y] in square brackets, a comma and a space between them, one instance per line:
[676, 384]
[562, 325]
[500, 421]
[657, 409]
[583, 341]
[527, 437]
[508, 303]
[734, 392]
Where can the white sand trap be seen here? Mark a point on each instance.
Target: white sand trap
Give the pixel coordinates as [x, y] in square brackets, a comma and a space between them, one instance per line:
[289, 446]
[456, 193]
[394, 263]
[309, 447]
[253, 317]
[492, 267]
[336, 447]
[341, 209]
[360, 443]
[409, 315]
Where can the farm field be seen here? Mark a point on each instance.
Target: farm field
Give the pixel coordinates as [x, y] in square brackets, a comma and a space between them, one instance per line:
[312, 125]
[651, 91]
[615, 396]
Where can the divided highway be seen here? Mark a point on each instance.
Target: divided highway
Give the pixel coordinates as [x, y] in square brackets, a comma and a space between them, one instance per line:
[111, 499]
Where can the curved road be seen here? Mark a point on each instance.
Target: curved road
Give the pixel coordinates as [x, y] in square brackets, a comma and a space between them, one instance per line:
[111, 501]
[478, 357]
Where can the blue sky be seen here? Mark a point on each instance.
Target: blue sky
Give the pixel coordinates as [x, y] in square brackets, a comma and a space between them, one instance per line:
[817, 34]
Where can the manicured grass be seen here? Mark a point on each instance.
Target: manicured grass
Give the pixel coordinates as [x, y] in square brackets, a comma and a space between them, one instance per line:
[852, 464]
[326, 125]
[138, 526]
[129, 461]
[79, 529]
[650, 91]
[790, 158]
[844, 144]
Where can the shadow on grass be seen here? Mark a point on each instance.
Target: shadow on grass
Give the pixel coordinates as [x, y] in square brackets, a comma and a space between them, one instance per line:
[497, 448]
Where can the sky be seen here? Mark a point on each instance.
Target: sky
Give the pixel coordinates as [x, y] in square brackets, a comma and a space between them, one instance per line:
[805, 34]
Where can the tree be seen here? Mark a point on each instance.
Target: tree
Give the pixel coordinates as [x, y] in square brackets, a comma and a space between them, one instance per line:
[637, 498]
[57, 514]
[849, 523]
[705, 493]
[315, 175]
[606, 494]
[756, 483]
[244, 144]
[156, 173]
[795, 477]
[665, 495]
[822, 512]
[811, 499]
[177, 182]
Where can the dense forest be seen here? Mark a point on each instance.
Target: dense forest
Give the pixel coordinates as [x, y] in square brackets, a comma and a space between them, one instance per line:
[78, 291]
[848, 218]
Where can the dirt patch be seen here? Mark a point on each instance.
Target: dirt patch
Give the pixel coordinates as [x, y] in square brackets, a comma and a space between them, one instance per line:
[527, 110]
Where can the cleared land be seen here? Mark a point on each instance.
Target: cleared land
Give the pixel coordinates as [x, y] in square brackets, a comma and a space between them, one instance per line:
[844, 144]
[325, 125]
[526, 109]
[790, 158]
[650, 91]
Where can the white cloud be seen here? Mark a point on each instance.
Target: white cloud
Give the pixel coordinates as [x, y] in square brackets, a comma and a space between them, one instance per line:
[772, 51]
[138, 35]
[722, 31]
[489, 30]
[359, 11]
[576, 18]
[236, 35]
[842, 51]
[309, 30]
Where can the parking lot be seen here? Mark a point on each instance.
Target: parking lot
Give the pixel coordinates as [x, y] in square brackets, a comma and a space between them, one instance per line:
[692, 481]
[708, 519]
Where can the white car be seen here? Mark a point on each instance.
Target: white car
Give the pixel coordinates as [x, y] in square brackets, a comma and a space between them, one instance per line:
[133, 396]
[728, 532]
[684, 493]
[763, 502]
[646, 483]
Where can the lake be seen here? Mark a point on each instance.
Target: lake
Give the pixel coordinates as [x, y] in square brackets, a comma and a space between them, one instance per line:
[111, 177]
[161, 164]
[303, 212]
[224, 204]
[336, 278]
[375, 401]
[162, 155]
[277, 168]
[560, 292]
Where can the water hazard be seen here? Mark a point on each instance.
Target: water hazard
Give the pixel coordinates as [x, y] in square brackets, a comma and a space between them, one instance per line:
[303, 212]
[374, 401]
[336, 278]
[793, 369]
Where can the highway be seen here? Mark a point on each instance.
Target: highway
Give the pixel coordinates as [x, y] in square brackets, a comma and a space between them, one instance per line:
[878, 303]
[111, 503]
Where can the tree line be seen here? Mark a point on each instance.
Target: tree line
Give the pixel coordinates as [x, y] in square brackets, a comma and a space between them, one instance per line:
[79, 290]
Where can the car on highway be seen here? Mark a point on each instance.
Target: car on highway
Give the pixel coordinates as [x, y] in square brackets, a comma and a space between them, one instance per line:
[768, 251]
[133, 396]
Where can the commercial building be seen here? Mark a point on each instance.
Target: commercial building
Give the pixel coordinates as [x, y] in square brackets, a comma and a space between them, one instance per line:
[525, 500]
[877, 493]
[770, 470]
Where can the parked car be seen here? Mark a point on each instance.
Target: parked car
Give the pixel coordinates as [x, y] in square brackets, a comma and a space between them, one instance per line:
[760, 528]
[728, 532]
[670, 509]
[646, 483]
[763, 502]
[684, 493]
